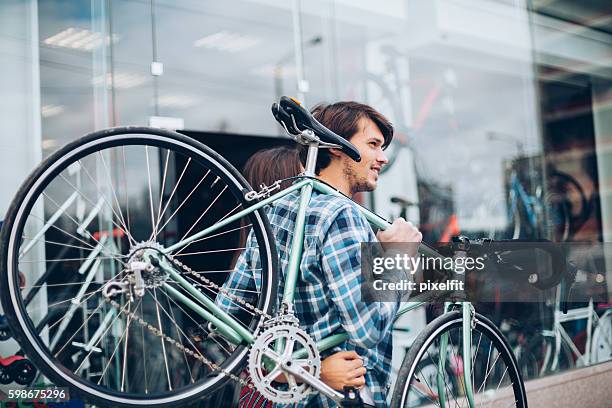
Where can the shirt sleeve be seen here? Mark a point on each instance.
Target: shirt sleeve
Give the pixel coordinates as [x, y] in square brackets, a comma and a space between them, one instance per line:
[365, 323]
[242, 281]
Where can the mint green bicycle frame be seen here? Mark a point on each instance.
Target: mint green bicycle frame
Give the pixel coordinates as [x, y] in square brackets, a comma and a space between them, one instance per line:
[237, 333]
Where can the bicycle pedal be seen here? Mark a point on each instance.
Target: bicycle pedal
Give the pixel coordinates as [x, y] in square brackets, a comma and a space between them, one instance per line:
[351, 398]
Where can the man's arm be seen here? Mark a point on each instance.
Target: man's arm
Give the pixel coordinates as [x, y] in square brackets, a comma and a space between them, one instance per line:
[365, 323]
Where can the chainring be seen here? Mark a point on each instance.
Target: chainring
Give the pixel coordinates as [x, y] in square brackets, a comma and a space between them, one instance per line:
[295, 339]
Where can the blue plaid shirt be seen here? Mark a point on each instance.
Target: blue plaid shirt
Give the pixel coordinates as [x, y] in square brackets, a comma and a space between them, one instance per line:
[328, 294]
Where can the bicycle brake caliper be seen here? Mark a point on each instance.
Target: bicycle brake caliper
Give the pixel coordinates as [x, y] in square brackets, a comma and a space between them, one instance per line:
[263, 193]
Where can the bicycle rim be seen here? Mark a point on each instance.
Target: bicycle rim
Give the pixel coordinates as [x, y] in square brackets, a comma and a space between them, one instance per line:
[76, 224]
[429, 376]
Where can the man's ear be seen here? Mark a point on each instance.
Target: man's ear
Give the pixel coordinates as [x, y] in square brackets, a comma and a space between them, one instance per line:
[335, 152]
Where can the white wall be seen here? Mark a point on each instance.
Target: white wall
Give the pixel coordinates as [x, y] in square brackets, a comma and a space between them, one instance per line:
[20, 136]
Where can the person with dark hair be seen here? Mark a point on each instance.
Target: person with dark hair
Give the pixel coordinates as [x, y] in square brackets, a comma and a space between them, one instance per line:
[269, 165]
[347, 119]
[344, 368]
[327, 296]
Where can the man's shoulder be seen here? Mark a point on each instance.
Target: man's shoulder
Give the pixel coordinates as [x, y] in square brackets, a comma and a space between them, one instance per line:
[326, 210]
[330, 204]
[322, 209]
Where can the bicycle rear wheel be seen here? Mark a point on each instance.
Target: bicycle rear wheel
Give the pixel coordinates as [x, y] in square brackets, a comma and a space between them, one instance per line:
[92, 208]
[425, 374]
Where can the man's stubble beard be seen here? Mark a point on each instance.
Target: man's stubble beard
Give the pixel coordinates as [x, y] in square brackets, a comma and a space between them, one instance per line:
[357, 183]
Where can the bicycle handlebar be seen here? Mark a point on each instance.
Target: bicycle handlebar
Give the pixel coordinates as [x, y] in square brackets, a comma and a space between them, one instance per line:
[559, 264]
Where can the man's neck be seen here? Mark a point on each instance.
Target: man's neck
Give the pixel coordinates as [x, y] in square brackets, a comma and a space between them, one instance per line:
[337, 180]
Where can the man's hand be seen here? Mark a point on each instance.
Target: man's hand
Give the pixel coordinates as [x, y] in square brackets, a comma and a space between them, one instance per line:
[400, 231]
[343, 368]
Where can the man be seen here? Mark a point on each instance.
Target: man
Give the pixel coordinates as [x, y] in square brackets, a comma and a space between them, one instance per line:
[328, 294]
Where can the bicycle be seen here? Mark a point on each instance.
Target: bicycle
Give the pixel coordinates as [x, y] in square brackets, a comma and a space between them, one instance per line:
[149, 284]
[547, 212]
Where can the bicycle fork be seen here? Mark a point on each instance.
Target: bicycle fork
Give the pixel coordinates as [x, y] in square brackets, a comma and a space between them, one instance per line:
[468, 323]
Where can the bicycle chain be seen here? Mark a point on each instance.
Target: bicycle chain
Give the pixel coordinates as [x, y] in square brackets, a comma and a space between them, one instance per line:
[211, 364]
[225, 292]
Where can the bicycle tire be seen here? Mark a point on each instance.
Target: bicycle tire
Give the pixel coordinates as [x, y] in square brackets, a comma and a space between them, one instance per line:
[432, 332]
[601, 343]
[12, 237]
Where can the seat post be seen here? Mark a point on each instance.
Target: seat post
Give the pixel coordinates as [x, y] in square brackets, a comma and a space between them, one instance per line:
[311, 159]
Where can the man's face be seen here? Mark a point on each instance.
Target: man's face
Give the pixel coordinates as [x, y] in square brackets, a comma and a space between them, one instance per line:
[363, 176]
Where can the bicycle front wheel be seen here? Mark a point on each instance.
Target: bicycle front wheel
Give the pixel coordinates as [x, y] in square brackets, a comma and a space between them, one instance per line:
[82, 223]
[430, 377]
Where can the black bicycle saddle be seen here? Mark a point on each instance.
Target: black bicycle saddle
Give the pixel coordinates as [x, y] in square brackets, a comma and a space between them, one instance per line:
[291, 113]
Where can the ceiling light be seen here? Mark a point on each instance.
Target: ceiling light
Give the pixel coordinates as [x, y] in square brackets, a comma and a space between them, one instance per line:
[227, 41]
[79, 39]
[176, 101]
[275, 71]
[121, 80]
[51, 110]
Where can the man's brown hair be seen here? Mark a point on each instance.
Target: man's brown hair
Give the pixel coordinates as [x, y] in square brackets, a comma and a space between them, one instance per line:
[343, 118]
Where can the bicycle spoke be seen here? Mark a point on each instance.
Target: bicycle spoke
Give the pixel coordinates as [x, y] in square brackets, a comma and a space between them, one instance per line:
[163, 343]
[110, 183]
[77, 224]
[161, 190]
[153, 224]
[125, 348]
[199, 218]
[474, 359]
[183, 202]
[110, 359]
[173, 318]
[70, 300]
[213, 251]
[65, 259]
[456, 359]
[432, 392]
[90, 295]
[144, 354]
[487, 373]
[102, 195]
[56, 243]
[64, 232]
[194, 348]
[502, 378]
[117, 315]
[125, 184]
[212, 236]
[52, 285]
[173, 191]
[424, 377]
[229, 213]
[444, 376]
[183, 310]
[121, 228]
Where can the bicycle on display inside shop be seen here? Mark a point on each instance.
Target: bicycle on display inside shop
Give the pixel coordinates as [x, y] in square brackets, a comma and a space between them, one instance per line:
[142, 250]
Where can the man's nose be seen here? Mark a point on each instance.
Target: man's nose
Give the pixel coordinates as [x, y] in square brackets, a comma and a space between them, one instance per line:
[382, 157]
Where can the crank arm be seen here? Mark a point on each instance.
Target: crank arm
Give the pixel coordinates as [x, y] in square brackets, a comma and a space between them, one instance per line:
[313, 381]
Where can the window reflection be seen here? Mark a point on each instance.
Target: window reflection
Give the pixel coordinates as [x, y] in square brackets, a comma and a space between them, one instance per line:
[501, 112]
